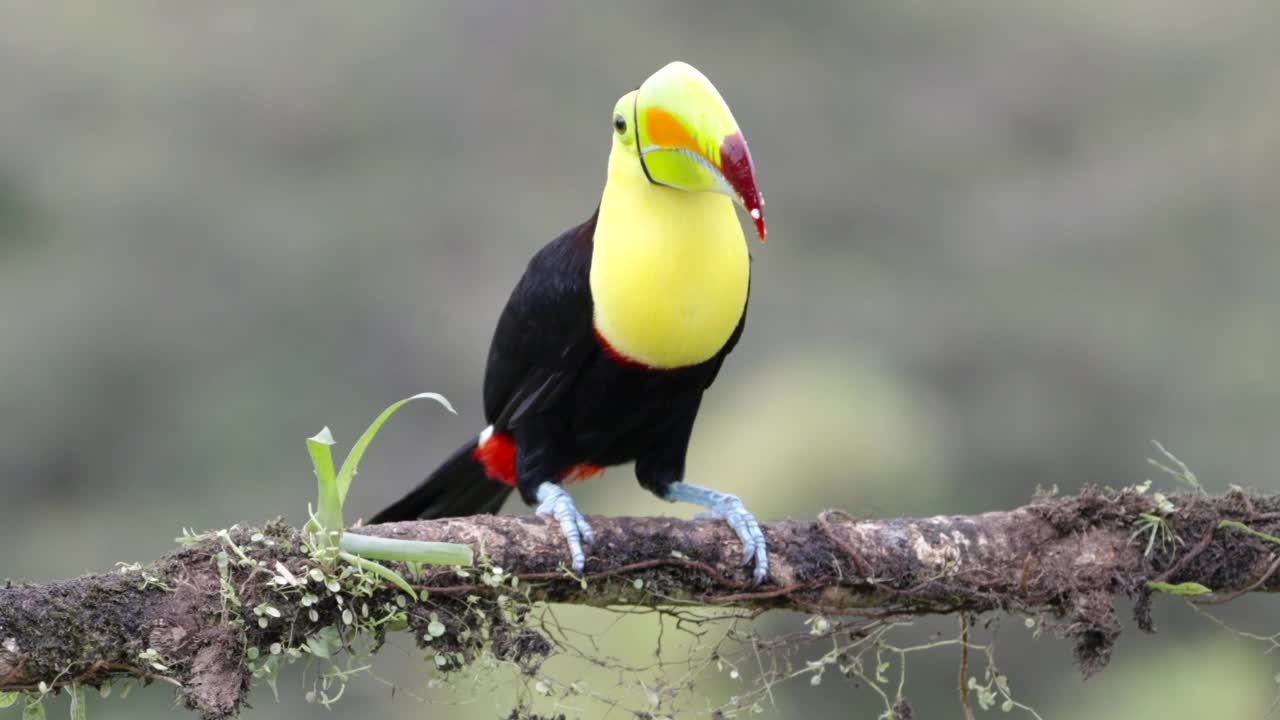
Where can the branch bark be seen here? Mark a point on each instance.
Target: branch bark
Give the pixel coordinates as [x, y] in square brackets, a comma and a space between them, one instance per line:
[1068, 556]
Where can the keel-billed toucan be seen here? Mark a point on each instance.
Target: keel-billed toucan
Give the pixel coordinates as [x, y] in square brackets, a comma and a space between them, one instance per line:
[617, 327]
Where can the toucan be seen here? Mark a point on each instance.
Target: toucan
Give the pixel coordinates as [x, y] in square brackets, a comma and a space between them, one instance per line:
[619, 325]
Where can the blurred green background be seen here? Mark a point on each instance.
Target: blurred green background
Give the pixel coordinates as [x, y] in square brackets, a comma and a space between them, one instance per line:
[1010, 243]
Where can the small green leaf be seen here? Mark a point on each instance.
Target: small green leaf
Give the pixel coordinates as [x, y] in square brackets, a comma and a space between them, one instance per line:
[1164, 505]
[1235, 525]
[7, 699]
[348, 471]
[413, 551]
[318, 647]
[78, 710]
[33, 709]
[381, 571]
[324, 641]
[329, 514]
[1184, 589]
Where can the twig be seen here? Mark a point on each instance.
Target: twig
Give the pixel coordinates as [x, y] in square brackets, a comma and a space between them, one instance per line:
[964, 667]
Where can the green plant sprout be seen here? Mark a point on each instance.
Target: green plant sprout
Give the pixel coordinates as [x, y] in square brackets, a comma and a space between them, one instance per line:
[1156, 525]
[326, 527]
[1157, 530]
[1182, 473]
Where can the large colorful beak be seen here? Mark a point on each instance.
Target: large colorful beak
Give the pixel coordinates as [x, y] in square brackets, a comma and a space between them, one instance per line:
[689, 140]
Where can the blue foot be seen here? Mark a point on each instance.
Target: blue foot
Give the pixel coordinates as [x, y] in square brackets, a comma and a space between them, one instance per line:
[555, 502]
[730, 509]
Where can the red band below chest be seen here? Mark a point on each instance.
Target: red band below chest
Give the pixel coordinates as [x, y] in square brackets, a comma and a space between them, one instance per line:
[498, 456]
[612, 353]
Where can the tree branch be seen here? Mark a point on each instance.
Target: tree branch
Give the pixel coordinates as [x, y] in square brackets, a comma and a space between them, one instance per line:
[1068, 556]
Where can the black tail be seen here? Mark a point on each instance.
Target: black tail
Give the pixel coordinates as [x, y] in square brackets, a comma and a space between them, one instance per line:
[458, 487]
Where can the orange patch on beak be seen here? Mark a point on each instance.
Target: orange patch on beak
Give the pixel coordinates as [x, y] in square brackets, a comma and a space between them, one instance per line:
[664, 130]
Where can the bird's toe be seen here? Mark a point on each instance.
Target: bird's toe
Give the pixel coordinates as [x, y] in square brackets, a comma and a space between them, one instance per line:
[748, 530]
[557, 504]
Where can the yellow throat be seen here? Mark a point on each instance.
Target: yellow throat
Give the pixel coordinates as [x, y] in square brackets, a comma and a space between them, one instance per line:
[669, 268]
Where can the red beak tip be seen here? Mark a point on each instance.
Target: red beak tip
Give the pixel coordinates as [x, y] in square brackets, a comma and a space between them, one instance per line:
[735, 165]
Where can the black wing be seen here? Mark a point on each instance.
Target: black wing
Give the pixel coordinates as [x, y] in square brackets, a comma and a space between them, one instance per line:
[545, 333]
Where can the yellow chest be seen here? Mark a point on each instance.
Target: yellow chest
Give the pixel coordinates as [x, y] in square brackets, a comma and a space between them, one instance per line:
[669, 271]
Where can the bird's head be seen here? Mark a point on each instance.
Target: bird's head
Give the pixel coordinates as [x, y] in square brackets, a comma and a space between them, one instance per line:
[684, 136]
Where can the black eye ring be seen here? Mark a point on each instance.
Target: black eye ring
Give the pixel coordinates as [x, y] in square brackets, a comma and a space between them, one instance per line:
[619, 123]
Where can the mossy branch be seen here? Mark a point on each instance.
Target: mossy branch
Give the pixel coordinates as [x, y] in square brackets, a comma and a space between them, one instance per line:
[199, 617]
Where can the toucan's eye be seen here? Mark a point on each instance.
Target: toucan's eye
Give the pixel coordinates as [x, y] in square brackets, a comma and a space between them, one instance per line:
[619, 124]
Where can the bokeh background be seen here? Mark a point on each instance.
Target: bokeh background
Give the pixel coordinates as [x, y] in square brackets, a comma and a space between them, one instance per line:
[1010, 244]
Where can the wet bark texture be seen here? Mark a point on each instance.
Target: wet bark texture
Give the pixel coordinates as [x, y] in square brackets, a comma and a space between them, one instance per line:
[1068, 556]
